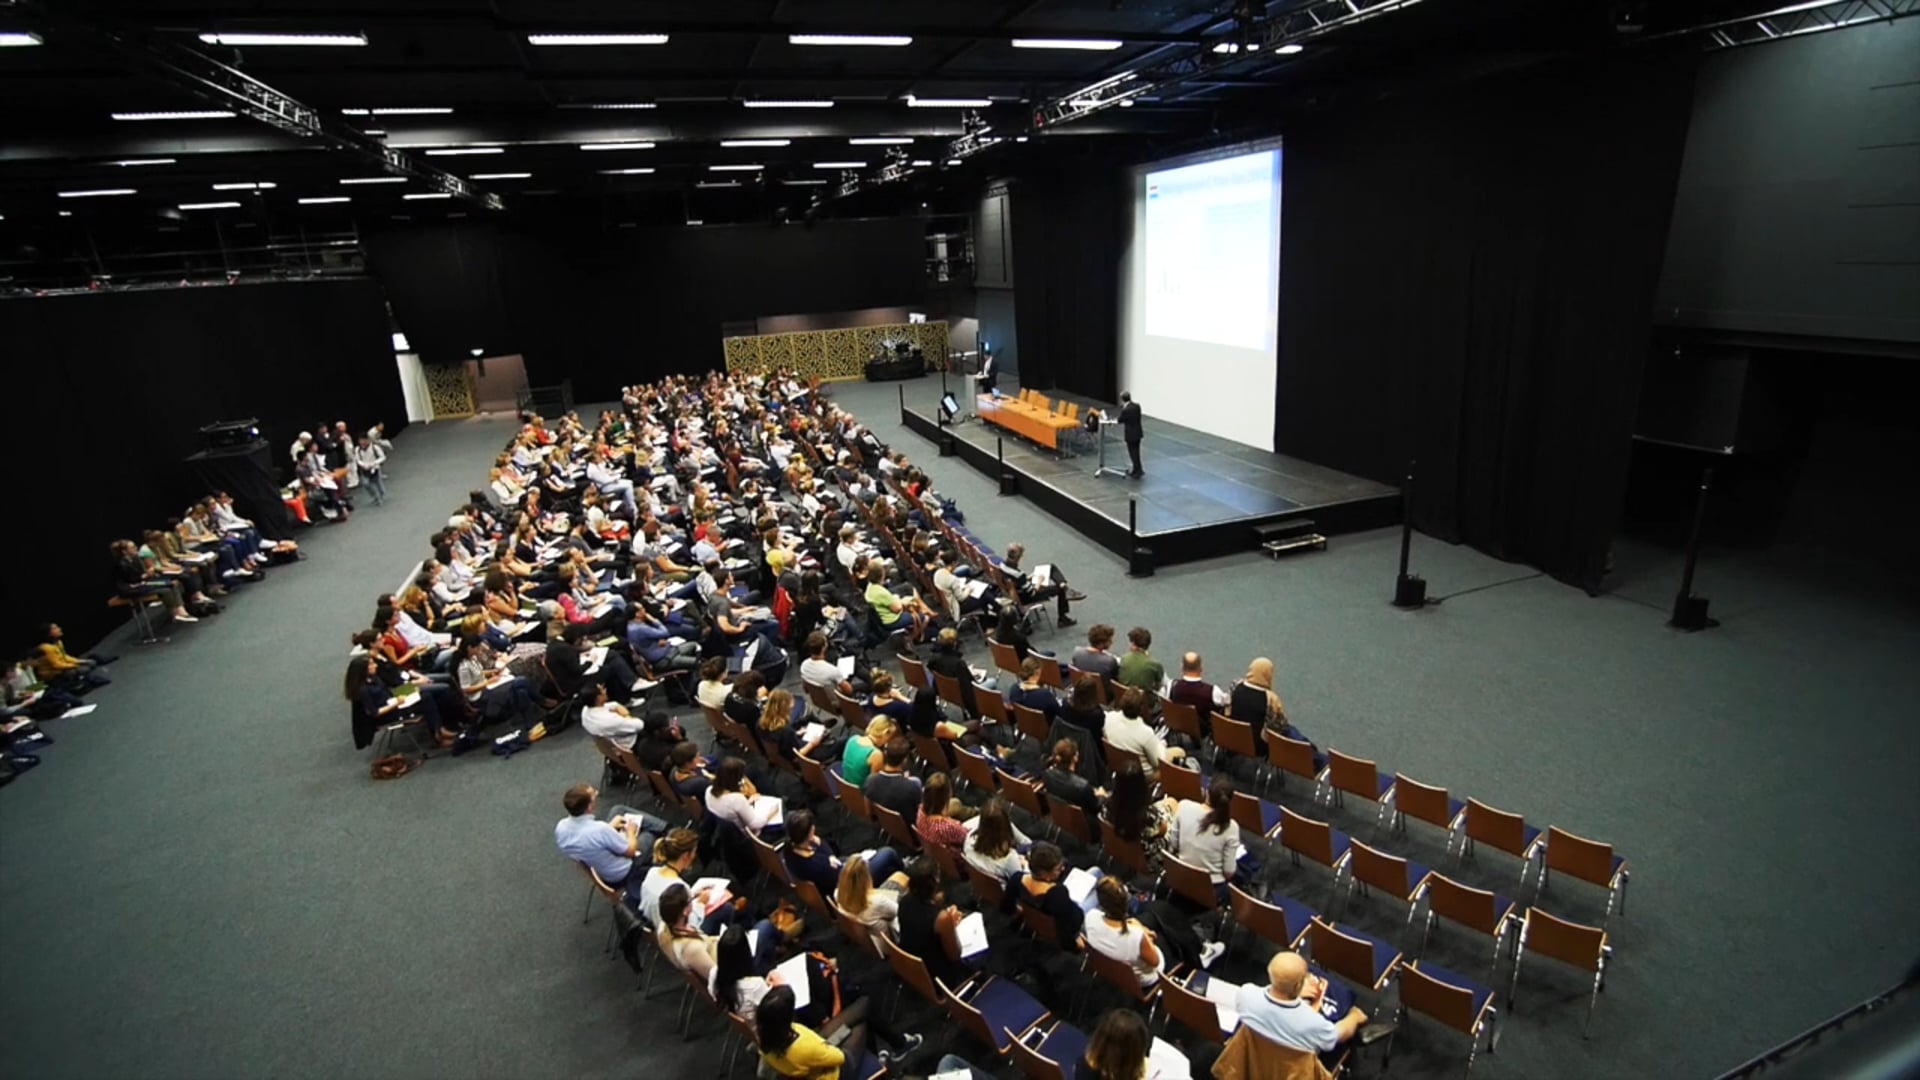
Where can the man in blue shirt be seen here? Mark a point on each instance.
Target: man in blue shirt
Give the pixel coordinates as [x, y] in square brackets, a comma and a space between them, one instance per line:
[1287, 1012]
[609, 847]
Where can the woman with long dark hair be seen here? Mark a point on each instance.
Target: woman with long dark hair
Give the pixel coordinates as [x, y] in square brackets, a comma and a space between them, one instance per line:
[1133, 812]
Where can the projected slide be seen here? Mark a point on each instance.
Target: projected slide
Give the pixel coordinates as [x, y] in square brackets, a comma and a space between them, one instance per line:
[1200, 292]
[1212, 231]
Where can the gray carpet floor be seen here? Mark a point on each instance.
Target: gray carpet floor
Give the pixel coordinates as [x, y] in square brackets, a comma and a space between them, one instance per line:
[201, 881]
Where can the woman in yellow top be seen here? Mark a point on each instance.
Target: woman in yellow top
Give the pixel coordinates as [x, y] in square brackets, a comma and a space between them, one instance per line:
[837, 1049]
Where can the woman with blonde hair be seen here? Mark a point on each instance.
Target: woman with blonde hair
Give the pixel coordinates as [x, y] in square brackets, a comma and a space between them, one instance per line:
[776, 726]
[862, 754]
[877, 907]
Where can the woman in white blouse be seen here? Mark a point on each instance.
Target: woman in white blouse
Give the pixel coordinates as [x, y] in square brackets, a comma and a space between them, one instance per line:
[995, 844]
[732, 798]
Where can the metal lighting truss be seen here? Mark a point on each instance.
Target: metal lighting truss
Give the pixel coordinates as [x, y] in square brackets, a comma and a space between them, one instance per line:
[230, 88]
[1803, 18]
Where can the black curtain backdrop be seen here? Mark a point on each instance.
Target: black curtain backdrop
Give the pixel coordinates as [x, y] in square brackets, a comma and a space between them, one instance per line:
[1067, 231]
[1467, 278]
[608, 309]
[110, 391]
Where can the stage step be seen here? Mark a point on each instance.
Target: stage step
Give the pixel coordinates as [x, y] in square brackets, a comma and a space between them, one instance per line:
[1280, 537]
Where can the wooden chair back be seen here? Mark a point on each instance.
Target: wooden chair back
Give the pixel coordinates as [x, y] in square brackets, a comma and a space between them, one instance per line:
[976, 770]
[1379, 870]
[856, 802]
[1181, 718]
[1264, 919]
[1424, 802]
[1072, 820]
[992, 706]
[1050, 674]
[1305, 836]
[1182, 783]
[932, 750]
[809, 894]
[855, 931]
[1248, 813]
[1121, 974]
[1189, 881]
[1039, 924]
[1571, 943]
[716, 719]
[1496, 828]
[777, 757]
[1033, 1064]
[913, 971]
[914, 672]
[1024, 794]
[1474, 908]
[1005, 657]
[1351, 958]
[950, 690]
[1031, 722]
[946, 858]
[1196, 1011]
[851, 711]
[988, 889]
[1353, 775]
[606, 891]
[1100, 685]
[1118, 759]
[1443, 1001]
[895, 826]
[1131, 854]
[769, 859]
[1290, 755]
[822, 698]
[1234, 736]
[816, 776]
[1588, 860]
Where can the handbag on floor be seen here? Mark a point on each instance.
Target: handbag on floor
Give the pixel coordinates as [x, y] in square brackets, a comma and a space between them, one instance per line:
[391, 767]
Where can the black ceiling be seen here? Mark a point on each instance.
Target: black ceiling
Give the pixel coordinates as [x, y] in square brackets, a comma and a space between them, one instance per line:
[530, 105]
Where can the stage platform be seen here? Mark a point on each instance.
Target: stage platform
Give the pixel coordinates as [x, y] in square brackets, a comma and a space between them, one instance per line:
[1202, 496]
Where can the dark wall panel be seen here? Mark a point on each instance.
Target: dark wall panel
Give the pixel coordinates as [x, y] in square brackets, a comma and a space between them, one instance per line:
[610, 309]
[111, 390]
[1066, 259]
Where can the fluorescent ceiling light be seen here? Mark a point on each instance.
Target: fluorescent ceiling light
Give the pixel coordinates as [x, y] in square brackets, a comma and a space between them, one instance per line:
[402, 110]
[1233, 47]
[177, 114]
[953, 161]
[717, 183]
[731, 143]
[96, 192]
[735, 168]
[374, 180]
[596, 39]
[1127, 104]
[319, 199]
[802, 183]
[1086, 44]
[18, 38]
[219, 38]
[66, 213]
[208, 205]
[609, 105]
[1019, 138]
[400, 342]
[247, 185]
[374, 132]
[1290, 49]
[839, 164]
[611, 172]
[848, 39]
[123, 162]
[501, 176]
[921, 163]
[947, 103]
[426, 195]
[628, 145]
[880, 140]
[790, 103]
[461, 151]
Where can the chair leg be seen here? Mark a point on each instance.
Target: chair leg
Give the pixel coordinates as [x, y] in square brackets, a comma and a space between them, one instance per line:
[587, 915]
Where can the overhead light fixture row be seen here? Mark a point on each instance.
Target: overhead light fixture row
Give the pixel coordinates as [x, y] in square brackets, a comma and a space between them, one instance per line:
[300, 40]
[790, 103]
[609, 105]
[948, 103]
[463, 151]
[839, 164]
[920, 163]
[177, 114]
[735, 168]
[1082, 44]
[597, 39]
[413, 195]
[717, 183]
[95, 193]
[732, 144]
[401, 110]
[246, 185]
[128, 162]
[500, 176]
[374, 180]
[643, 171]
[209, 205]
[849, 39]
[14, 39]
[631, 144]
[879, 140]
[319, 199]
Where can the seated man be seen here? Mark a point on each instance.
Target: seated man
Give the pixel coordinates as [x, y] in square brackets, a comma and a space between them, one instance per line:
[895, 613]
[610, 720]
[1093, 656]
[569, 664]
[890, 786]
[651, 640]
[1033, 591]
[1031, 693]
[947, 659]
[1193, 689]
[608, 847]
[817, 670]
[1138, 668]
[1287, 1010]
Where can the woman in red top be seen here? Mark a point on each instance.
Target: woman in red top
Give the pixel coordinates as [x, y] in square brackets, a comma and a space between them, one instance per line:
[936, 824]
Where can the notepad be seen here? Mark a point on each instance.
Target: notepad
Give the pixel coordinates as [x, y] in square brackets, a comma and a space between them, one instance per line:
[1225, 996]
[811, 732]
[404, 690]
[845, 664]
[1080, 885]
[795, 973]
[1165, 1062]
[972, 933]
[77, 710]
[723, 891]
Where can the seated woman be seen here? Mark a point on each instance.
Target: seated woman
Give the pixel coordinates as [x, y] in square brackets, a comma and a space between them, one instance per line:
[885, 699]
[928, 923]
[374, 704]
[1082, 708]
[134, 579]
[1064, 782]
[1040, 888]
[442, 698]
[651, 640]
[1118, 1049]
[876, 907]
[792, 1049]
[688, 774]
[1011, 631]
[1206, 837]
[777, 730]
[862, 753]
[497, 695]
[164, 558]
[940, 821]
[1115, 934]
[732, 798]
[1253, 700]
[895, 613]
[1134, 814]
[674, 856]
[810, 858]
[713, 689]
[690, 948]
[925, 718]
[996, 844]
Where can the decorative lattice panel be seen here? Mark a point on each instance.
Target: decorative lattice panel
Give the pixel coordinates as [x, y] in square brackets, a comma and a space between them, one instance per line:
[449, 389]
[831, 354]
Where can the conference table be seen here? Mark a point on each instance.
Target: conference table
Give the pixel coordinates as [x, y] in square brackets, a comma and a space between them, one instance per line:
[1029, 420]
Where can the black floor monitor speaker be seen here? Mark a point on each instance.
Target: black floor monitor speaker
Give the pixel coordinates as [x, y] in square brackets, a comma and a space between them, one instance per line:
[1142, 562]
[1410, 591]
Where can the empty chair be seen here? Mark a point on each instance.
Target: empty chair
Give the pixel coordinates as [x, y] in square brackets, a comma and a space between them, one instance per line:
[1354, 955]
[1280, 919]
[1582, 947]
[1476, 909]
[1235, 737]
[914, 673]
[1590, 861]
[1291, 757]
[1454, 1000]
[1502, 831]
[1254, 814]
[993, 1010]
[1424, 802]
[1316, 840]
[1048, 1051]
[1369, 868]
[1348, 775]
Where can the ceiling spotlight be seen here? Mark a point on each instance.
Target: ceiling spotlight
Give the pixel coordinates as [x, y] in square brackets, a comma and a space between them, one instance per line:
[619, 172]
[1019, 138]
[18, 38]
[921, 163]
[96, 193]
[66, 213]
[880, 140]
[177, 114]
[596, 39]
[627, 145]
[1127, 104]
[947, 103]
[790, 103]
[317, 200]
[741, 143]
[953, 161]
[848, 39]
[460, 151]
[208, 205]
[1290, 49]
[124, 162]
[1085, 44]
[284, 39]
[475, 351]
[500, 176]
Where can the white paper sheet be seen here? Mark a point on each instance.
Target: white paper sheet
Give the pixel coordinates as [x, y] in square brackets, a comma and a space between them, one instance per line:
[794, 971]
[1165, 1062]
[972, 933]
[1079, 885]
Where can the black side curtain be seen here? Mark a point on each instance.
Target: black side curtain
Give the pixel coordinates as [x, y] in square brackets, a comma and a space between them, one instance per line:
[1067, 236]
[1467, 280]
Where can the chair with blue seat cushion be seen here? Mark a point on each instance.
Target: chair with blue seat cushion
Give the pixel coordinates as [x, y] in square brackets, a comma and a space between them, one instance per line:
[1454, 1000]
[1476, 909]
[1370, 868]
[1424, 802]
[1588, 860]
[1348, 775]
[1049, 1051]
[1279, 919]
[994, 1010]
[1582, 947]
[1293, 757]
[1501, 831]
[1354, 955]
[1316, 840]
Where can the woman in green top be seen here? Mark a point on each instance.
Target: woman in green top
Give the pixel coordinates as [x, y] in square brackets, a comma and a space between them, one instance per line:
[862, 753]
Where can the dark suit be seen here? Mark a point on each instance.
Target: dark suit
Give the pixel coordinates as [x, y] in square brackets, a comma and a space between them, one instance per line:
[1130, 429]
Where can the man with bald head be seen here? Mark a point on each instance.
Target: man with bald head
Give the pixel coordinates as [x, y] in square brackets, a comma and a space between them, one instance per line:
[1287, 1011]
